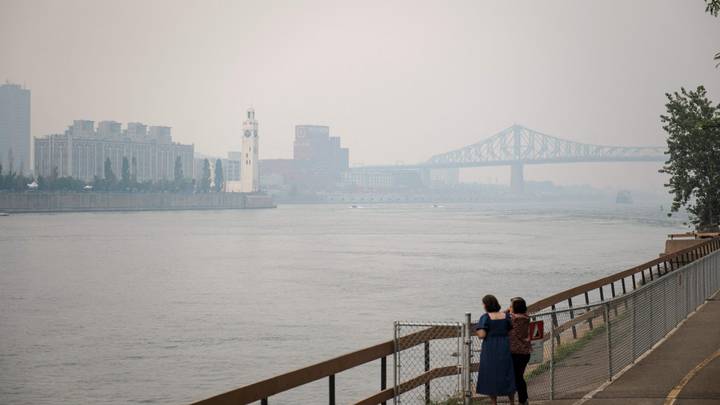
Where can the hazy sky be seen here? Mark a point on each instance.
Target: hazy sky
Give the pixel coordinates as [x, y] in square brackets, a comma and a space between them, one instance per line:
[397, 80]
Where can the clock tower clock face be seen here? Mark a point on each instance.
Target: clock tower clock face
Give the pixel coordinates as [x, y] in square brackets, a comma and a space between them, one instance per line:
[247, 133]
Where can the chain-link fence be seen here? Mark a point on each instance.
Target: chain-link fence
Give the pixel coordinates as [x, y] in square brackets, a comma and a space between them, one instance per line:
[428, 368]
[586, 346]
[581, 347]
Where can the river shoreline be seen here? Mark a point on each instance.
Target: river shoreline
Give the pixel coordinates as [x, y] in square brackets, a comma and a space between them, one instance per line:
[38, 202]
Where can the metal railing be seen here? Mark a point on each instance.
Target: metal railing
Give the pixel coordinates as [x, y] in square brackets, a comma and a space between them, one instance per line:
[569, 323]
[593, 343]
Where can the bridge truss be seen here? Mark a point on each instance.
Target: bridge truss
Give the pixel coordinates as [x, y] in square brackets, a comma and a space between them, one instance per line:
[520, 145]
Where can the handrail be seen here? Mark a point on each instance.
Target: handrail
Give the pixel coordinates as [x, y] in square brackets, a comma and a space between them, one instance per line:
[261, 390]
[672, 258]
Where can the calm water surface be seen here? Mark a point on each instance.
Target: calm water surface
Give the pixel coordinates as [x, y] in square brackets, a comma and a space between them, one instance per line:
[171, 307]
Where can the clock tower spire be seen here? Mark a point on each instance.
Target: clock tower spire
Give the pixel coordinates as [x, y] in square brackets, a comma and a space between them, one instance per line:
[249, 173]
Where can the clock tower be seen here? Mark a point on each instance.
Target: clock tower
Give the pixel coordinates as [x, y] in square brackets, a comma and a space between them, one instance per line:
[249, 173]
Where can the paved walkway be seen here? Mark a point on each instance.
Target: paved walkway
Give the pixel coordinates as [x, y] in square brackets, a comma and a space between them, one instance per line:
[687, 363]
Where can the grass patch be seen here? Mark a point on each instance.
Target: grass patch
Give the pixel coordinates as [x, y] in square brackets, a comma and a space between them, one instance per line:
[565, 350]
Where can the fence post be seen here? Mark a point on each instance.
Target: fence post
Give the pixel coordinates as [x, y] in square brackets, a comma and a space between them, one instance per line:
[427, 368]
[331, 389]
[634, 328]
[383, 375]
[609, 340]
[467, 363]
[552, 359]
[396, 366]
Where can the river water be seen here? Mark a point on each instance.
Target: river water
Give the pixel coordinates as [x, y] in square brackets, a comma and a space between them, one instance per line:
[172, 307]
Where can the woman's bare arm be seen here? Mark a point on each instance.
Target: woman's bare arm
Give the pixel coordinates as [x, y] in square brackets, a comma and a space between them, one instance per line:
[481, 333]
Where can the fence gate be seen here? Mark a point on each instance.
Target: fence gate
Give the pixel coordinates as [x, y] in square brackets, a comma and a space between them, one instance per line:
[429, 362]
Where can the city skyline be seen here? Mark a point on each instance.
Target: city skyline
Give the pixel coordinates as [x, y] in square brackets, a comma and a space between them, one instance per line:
[435, 80]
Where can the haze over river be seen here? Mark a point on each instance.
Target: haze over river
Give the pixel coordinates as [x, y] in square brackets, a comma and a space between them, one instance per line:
[171, 307]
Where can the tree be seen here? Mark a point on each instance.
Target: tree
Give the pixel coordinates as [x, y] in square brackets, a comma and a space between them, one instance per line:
[204, 181]
[110, 178]
[713, 7]
[134, 170]
[219, 176]
[693, 125]
[11, 161]
[179, 176]
[125, 173]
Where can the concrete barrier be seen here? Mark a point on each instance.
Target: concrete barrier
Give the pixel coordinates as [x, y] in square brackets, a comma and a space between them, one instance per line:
[95, 201]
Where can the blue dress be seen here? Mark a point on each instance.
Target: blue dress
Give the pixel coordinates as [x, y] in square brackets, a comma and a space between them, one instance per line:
[495, 376]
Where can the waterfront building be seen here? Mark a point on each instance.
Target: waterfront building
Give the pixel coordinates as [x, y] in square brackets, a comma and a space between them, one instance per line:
[382, 179]
[15, 152]
[81, 152]
[313, 143]
[319, 157]
[249, 172]
[232, 169]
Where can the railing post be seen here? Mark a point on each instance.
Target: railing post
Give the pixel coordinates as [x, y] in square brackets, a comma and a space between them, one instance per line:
[609, 340]
[467, 360]
[331, 393]
[427, 368]
[383, 375]
[264, 401]
[572, 316]
[555, 321]
[587, 302]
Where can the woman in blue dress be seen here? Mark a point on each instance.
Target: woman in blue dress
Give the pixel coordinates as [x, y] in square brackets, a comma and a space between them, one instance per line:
[496, 376]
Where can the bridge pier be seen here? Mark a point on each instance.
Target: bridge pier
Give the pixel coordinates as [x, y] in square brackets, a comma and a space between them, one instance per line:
[517, 179]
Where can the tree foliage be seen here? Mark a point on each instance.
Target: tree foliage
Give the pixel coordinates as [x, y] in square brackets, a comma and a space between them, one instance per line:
[205, 179]
[712, 7]
[693, 125]
[219, 176]
[125, 173]
[108, 171]
[179, 176]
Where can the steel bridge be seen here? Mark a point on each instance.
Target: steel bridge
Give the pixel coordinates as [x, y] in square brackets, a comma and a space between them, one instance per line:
[517, 146]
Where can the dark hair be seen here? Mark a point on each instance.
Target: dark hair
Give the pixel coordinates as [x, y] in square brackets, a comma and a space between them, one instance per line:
[491, 303]
[518, 305]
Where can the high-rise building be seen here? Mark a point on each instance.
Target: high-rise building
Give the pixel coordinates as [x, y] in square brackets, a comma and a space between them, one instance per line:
[81, 152]
[249, 173]
[15, 152]
[320, 155]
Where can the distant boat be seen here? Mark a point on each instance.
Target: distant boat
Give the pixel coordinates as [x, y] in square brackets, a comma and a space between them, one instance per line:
[354, 206]
[624, 197]
[4, 214]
